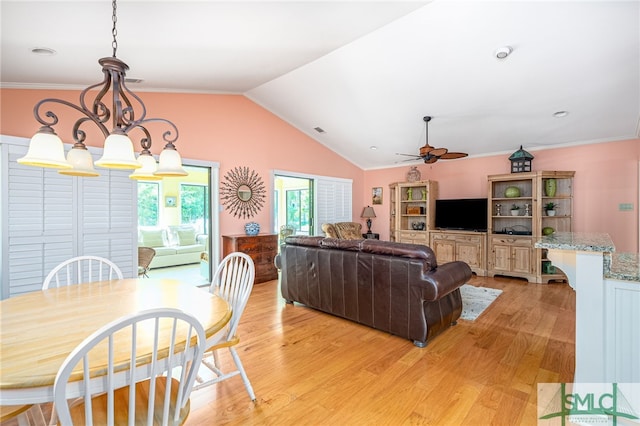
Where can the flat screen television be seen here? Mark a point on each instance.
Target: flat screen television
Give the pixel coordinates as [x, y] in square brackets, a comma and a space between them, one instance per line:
[468, 214]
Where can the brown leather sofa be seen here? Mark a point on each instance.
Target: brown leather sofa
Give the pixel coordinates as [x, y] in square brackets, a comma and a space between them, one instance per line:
[394, 287]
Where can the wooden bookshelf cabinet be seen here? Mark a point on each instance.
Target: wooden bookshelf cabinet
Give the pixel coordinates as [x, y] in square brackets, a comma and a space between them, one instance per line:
[511, 238]
[469, 247]
[412, 208]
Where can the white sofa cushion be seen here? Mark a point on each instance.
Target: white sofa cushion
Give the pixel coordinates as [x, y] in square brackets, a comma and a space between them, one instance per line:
[152, 237]
[186, 236]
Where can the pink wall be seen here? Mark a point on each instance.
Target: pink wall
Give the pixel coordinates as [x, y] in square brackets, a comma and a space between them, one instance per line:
[229, 129]
[606, 175]
[234, 131]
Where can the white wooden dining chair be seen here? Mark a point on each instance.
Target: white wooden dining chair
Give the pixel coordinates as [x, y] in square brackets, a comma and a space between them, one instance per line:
[82, 269]
[233, 281]
[105, 392]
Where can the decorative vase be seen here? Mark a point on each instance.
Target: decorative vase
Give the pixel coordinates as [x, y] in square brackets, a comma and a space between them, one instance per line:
[409, 194]
[252, 228]
[424, 194]
[512, 192]
[550, 187]
[413, 175]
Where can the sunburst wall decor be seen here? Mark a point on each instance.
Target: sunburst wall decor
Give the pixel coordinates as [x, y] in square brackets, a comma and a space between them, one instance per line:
[242, 192]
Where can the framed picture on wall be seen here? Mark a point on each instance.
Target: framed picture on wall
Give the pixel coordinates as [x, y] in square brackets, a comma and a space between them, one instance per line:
[169, 201]
[376, 195]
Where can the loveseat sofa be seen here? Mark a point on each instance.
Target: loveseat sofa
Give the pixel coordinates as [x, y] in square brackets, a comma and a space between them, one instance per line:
[394, 287]
[174, 245]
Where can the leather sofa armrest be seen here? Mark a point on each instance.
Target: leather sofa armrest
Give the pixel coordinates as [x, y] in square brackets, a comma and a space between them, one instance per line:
[445, 279]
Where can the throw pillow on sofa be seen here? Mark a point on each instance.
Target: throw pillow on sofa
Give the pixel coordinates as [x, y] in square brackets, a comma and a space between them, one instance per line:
[152, 237]
[186, 237]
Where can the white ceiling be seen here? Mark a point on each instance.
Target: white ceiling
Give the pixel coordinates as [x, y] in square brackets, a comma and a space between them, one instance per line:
[364, 71]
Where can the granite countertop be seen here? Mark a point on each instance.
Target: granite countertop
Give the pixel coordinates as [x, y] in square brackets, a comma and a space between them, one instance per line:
[620, 266]
[625, 267]
[580, 241]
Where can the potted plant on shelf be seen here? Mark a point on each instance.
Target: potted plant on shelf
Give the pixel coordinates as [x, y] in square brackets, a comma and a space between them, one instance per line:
[515, 210]
[550, 208]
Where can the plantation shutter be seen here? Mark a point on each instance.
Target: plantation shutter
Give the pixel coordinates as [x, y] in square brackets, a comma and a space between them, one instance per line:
[48, 218]
[333, 201]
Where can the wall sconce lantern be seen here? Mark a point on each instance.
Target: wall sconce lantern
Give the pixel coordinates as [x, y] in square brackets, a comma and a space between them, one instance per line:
[520, 161]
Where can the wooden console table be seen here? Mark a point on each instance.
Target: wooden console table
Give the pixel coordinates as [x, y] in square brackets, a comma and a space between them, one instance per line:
[262, 248]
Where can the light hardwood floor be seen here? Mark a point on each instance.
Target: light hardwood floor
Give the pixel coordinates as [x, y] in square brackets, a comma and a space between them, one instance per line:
[311, 368]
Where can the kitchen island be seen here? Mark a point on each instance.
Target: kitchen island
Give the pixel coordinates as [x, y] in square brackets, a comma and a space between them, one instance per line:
[607, 286]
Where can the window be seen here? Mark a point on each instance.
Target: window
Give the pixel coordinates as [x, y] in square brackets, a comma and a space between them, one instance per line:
[194, 206]
[148, 203]
[298, 209]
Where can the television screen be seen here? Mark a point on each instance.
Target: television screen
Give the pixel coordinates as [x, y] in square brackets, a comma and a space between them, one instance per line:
[469, 214]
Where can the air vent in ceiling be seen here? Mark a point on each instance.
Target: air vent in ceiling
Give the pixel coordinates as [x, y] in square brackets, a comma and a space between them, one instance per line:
[319, 129]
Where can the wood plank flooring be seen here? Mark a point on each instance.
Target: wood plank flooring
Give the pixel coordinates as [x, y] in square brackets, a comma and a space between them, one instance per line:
[311, 368]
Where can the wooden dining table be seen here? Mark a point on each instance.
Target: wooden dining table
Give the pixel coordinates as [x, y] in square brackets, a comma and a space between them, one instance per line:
[39, 330]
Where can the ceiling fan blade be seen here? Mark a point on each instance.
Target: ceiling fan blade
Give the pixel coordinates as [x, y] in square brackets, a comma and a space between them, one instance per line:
[453, 155]
[425, 150]
[439, 152]
[409, 155]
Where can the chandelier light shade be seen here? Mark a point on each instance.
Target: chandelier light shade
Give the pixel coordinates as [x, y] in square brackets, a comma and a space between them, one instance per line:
[45, 150]
[368, 213]
[148, 169]
[128, 116]
[81, 163]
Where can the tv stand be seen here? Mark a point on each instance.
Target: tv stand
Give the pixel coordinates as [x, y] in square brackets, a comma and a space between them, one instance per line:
[467, 246]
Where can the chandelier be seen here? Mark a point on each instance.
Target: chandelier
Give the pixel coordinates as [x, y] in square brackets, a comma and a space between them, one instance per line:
[46, 148]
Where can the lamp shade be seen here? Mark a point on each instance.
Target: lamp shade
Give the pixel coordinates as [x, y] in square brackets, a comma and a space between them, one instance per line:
[368, 212]
[146, 172]
[118, 153]
[81, 163]
[45, 150]
[170, 164]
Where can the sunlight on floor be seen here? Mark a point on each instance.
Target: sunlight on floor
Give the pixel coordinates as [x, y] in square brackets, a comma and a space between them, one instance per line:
[189, 273]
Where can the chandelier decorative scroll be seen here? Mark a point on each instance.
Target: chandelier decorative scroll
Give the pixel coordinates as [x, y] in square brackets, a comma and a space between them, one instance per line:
[46, 148]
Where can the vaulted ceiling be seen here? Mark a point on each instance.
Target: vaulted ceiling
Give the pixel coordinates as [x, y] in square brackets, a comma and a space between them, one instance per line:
[365, 72]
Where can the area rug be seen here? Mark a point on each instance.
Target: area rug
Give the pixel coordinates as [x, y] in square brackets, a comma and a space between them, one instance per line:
[475, 300]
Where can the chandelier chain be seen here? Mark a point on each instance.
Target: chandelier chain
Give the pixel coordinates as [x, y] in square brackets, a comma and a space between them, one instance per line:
[114, 31]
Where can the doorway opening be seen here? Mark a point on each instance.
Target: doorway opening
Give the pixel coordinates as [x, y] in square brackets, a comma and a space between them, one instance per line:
[174, 218]
[293, 204]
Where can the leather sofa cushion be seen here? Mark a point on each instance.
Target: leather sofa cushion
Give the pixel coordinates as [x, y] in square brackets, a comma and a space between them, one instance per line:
[303, 240]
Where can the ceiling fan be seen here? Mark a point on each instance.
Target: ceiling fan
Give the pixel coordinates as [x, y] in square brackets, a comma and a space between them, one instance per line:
[430, 154]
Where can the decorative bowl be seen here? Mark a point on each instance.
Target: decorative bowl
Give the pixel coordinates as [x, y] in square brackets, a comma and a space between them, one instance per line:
[512, 192]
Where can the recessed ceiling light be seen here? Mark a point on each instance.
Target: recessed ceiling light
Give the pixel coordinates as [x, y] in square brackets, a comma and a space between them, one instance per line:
[503, 52]
[44, 51]
[560, 114]
[373, 147]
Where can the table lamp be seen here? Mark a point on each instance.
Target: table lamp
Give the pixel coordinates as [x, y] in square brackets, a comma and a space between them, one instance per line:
[368, 213]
